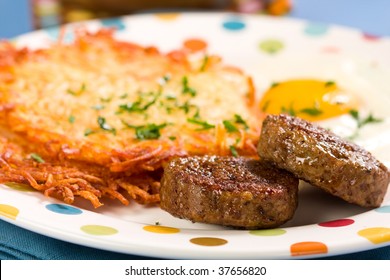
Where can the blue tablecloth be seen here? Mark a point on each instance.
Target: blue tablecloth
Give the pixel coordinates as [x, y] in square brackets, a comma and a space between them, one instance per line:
[369, 16]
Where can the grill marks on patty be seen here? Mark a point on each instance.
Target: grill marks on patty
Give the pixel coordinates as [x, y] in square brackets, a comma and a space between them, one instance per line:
[323, 159]
[238, 192]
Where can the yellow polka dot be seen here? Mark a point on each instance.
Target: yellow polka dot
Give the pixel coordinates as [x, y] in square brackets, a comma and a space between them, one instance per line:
[376, 235]
[19, 187]
[161, 229]
[167, 16]
[208, 241]
[9, 211]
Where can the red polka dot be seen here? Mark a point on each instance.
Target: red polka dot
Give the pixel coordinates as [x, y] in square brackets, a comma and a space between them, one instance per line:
[337, 223]
[195, 45]
[370, 37]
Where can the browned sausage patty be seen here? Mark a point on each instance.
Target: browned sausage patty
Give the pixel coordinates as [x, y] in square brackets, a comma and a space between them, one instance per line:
[238, 192]
[323, 159]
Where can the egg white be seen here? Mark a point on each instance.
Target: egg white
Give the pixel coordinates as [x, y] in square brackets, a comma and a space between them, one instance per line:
[364, 79]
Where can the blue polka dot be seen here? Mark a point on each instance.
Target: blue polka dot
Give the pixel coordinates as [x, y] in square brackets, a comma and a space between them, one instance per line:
[316, 29]
[113, 22]
[63, 209]
[54, 33]
[234, 24]
[383, 209]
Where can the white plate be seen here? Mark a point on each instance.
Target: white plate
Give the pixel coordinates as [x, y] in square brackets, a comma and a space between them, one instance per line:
[290, 49]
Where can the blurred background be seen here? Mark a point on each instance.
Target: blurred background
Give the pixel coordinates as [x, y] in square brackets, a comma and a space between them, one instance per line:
[21, 16]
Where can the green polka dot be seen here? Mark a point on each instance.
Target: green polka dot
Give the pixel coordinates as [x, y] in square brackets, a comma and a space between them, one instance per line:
[271, 46]
[19, 187]
[99, 230]
[268, 232]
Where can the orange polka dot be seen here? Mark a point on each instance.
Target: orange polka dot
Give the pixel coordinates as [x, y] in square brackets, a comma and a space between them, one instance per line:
[376, 235]
[208, 241]
[308, 248]
[195, 45]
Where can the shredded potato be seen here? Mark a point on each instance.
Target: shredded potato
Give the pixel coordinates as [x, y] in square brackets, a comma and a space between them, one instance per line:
[105, 115]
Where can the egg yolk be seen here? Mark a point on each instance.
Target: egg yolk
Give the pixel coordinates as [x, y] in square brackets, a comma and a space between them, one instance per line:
[309, 99]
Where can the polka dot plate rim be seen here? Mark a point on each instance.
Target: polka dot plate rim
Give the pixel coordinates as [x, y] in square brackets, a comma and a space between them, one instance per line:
[253, 43]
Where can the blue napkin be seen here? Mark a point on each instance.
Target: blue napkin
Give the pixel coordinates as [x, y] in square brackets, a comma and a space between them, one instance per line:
[20, 244]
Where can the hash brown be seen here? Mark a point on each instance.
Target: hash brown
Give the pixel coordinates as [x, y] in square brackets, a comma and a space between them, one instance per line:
[102, 104]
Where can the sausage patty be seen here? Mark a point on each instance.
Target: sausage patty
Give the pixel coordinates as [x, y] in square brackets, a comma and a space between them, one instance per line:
[323, 159]
[238, 192]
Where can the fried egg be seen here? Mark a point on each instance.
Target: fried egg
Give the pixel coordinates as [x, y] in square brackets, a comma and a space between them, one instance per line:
[310, 99]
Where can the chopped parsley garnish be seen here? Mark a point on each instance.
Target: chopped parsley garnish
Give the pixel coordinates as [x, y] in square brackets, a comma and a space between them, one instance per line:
[314, 111]
[83, 87]
[71, 119]
[105, 126]
[266, 105]
[164, 79]
[238, 119]
[170, 97]
[330, 83]
[168, 109]
[233, 150]
[289, 111]
[274, 84]
[204, 125]
[229, 126]
[197, 113]
[173, 138]
[354, 114]
[141, 105]
[123, 96]
[106, 100]
[186, 88]
[88, 132]
[204, 63]
[37, 158]
[149, 131]
[363, 121]
[186, 107]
